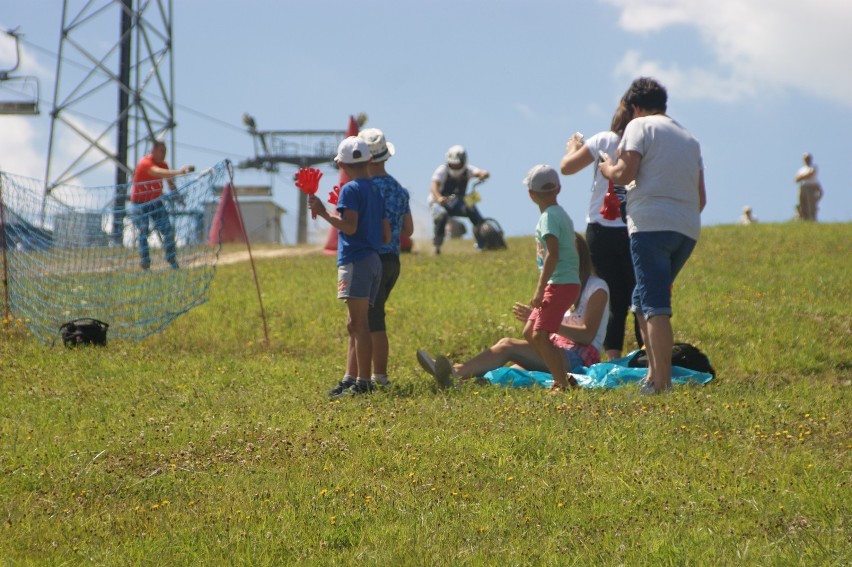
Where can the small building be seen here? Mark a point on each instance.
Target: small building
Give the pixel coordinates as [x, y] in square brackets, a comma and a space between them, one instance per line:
[262, 219]
[74, 229]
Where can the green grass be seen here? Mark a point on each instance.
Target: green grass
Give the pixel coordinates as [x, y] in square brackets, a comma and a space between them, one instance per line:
[204, 446]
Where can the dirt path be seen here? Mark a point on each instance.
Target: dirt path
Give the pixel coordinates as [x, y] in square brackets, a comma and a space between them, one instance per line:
[243, 256]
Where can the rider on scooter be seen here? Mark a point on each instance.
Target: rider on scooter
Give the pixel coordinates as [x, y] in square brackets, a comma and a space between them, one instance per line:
[447, 194]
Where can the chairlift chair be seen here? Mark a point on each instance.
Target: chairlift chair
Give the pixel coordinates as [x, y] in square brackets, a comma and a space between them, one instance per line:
[27, 102]
[28, 96]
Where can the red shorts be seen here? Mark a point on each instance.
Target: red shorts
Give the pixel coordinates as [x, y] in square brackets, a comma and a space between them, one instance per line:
[558, 298]
[586, 353]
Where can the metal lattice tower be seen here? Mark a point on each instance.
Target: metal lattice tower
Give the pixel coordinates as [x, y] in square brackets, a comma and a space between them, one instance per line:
[110, 99]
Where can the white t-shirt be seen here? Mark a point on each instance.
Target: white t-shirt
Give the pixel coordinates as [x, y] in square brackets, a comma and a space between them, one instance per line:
[606, 142]
[576, 316]
[443, 171]
[805, 170]
[666, 193]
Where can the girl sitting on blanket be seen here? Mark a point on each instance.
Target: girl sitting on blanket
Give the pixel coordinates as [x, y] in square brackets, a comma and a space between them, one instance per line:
[580, 337]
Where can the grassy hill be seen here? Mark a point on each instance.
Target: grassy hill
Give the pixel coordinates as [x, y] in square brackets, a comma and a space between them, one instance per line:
[204, 446]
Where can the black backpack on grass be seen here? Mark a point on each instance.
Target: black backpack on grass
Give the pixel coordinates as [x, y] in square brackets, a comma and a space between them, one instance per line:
[684, 355]
[491, 235]
[84, 332]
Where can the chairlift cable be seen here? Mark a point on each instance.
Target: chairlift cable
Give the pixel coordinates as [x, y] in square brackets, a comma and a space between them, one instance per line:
[211, 118]
[209, 150]
[181, 106]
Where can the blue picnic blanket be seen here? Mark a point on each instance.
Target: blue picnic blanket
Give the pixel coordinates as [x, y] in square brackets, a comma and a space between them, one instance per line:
[601, 375]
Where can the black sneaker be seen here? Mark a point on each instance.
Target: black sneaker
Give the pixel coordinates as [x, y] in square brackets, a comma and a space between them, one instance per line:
[355, 389]
[341, 386]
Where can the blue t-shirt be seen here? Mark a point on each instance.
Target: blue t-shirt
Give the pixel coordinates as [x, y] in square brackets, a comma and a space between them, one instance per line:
[396, 207]
[363, 197]
[555, 221]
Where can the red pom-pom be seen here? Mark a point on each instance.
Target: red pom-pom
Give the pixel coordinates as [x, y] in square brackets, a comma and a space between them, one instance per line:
[611, 209]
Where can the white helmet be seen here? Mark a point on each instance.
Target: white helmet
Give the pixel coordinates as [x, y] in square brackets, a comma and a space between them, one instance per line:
[456, 156]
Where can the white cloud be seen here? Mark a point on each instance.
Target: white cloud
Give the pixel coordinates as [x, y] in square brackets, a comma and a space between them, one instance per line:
[17, 147]
[23, 149]
[691, 83]
[524, 110]
[20, 151]
[757, 44]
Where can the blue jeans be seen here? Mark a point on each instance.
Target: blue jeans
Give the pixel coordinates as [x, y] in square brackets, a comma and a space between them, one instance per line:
[143, 214]
[455, 207]
[360, 279]
[658, 257]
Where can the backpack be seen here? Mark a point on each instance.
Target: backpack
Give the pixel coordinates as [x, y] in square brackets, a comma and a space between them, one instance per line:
[84, 332]
[490, 235]
[684, 355]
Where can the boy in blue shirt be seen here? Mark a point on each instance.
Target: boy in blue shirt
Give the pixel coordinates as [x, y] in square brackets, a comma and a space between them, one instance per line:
[402, 224]
[363, 227]
[558, 284]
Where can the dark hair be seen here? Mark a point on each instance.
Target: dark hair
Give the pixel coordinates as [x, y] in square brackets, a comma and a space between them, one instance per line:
[586, 268]
[647, 93]
[623, 114]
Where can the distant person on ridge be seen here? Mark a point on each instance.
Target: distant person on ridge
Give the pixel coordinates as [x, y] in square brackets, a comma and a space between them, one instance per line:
[810, 190]
[147, 196]
[748, 217]
[447, 192]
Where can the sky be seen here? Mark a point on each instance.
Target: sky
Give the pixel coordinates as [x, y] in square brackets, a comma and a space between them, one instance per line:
[757, 82]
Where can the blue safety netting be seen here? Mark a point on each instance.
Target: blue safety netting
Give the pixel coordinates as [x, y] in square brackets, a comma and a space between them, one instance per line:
[65, 257]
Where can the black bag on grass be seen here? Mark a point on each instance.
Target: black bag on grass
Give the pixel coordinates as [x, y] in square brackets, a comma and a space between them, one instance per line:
[684, 355]
[84, 332]
[491, 235]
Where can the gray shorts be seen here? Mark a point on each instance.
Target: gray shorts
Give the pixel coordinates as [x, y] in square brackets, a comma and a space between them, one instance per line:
[360, 279]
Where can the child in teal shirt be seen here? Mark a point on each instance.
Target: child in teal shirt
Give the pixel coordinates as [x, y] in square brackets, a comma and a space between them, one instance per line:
[559, 274]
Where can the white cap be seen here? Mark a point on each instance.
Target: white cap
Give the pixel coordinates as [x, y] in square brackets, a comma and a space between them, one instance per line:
[353, 150]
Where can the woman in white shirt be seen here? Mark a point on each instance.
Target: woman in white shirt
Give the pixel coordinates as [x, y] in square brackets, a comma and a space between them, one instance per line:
[608, 240]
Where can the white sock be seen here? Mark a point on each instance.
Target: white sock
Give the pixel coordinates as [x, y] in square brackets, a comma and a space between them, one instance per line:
[381, 379]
